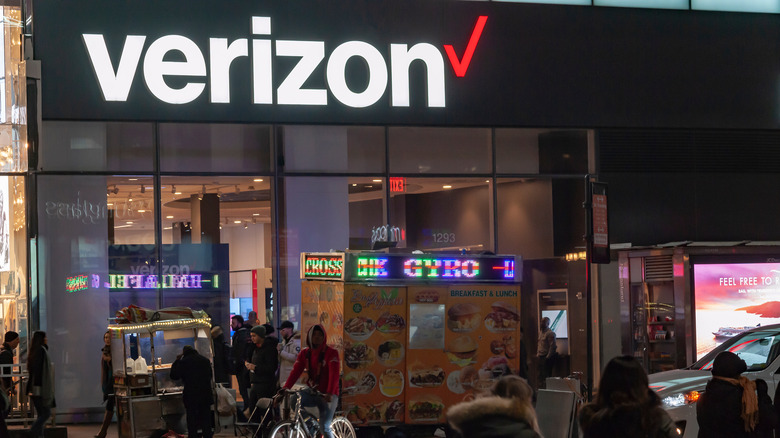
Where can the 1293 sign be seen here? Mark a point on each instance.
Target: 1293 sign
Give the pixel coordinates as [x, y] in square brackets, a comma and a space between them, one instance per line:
[444, 237]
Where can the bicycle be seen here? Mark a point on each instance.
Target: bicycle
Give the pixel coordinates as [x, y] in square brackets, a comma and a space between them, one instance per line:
[305, 425]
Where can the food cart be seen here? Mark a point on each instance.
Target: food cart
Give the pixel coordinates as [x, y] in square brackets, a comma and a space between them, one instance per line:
[416, 333]
[143, 347]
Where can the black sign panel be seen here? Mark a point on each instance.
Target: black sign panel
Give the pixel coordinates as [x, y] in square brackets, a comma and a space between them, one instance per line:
[406, 62]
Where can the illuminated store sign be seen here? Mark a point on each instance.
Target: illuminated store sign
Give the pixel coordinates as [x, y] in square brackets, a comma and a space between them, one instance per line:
[115, 81]
[430, 268]
[132, 281]
[325, 266]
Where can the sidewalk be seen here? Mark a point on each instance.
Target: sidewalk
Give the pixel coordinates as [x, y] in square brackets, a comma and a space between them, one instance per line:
[88, 430]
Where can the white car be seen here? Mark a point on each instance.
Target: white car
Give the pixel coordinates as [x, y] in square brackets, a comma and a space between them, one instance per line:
[679, 389]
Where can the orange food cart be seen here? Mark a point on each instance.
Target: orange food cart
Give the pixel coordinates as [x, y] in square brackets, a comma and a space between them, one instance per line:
[416, 332]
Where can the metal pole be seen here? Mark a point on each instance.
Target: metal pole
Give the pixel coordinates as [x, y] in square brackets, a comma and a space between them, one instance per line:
[588, 299]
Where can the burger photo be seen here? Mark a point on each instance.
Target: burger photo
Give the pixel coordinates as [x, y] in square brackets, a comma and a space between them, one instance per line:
[503, 317]
[426, 376]
[426, 407]
[462, 350]
[463, 317]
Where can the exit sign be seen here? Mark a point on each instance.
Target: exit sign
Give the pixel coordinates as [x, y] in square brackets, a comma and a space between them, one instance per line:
[397, 185]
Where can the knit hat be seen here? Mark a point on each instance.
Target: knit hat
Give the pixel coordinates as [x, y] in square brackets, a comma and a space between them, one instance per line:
[728, 364]
[268, 328]
[10, 336]
[259, 330]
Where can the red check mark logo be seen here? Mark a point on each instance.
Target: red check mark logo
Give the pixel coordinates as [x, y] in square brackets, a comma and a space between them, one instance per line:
[461, 66]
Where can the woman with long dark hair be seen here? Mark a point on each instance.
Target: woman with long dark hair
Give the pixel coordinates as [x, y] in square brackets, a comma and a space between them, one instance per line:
[625, 405]
[40, 386]
[106, 383]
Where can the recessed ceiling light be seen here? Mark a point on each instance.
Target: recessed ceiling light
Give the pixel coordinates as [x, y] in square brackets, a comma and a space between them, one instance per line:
[110, 203]
[129, 222]
[258, 180]
[133, 179]
[376, 180]
[447, 187]
[236, 222]
[142, 211]
[177, 192]
[168, 217]
[354, 185]
[255, 214]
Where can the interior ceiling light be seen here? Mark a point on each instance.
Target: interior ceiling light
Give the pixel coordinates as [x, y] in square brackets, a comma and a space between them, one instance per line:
[258, 180]
[130, 196]
[255, 214]
[246, 226]
[236, 222]
[376, 180]
[168, 217]
[447, 187]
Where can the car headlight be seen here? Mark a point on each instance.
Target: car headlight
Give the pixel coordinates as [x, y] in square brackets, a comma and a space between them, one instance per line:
[681, 399]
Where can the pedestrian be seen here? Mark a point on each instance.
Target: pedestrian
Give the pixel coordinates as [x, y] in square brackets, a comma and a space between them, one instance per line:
[251, 319]
[507, 412]
[731, 406]
[106, 383]
[625, 406]
[546, 352]
[221, 357]
[289, 348]
[262, 368]
[194, 371]
[322, 364]
[238, 359]
[10, 342]
[40, 386]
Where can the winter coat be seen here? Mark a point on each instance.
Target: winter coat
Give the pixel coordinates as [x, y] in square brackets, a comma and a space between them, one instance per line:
[719, 410]
[7, 358]
[287, 356]
[493, 417]
[325, 359]
[266, 361]
[40, 382]
[238, 351]
[625, 421]
[221, 359]
[195, 371]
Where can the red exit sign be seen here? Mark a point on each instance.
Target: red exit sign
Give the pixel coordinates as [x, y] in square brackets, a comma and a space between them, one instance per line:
[397, 185]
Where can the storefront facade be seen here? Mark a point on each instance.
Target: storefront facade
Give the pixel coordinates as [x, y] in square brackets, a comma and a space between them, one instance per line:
[188, 155]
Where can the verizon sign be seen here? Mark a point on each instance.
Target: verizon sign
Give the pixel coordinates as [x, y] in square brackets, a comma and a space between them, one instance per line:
[404, 62]
[116, 81]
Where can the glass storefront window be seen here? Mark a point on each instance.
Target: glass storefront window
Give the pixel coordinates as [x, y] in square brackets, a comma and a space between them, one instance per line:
[444, 214]
[218, 228]
[201, 147]
[96, 146]
[131, 206]
[353, 149]
[440, 150]
[320, 214]
[525, 217]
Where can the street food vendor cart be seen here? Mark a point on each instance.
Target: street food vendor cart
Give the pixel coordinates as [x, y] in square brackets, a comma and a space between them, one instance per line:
[143, 349]
[416, 333]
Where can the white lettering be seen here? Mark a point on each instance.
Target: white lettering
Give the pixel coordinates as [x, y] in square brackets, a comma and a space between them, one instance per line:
[377, 70]
[222, 56]
[155, 69]
[400, 60]
[262, 72]
[290, 91]
[115, 87]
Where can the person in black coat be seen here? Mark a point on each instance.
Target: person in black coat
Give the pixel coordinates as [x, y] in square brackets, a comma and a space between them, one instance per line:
[625, 407]
[221, 357]
[194, 371]
[262, 368]
[731, 406]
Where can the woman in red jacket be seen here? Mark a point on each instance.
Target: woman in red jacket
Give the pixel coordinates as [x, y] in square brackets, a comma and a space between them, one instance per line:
[322, 364]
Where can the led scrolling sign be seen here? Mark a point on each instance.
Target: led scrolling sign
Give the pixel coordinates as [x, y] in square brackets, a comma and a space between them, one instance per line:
[386, 267]
[117, 282]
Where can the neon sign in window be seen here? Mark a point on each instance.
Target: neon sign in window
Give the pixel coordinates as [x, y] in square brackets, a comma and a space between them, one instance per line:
[134, 281]
[372, 267]
[323, 266]
[76, 283]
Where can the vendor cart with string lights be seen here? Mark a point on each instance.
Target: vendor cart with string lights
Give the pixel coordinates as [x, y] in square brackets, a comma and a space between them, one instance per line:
[144, 345]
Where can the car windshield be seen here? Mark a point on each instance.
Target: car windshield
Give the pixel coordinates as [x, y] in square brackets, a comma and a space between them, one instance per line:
[758, 349]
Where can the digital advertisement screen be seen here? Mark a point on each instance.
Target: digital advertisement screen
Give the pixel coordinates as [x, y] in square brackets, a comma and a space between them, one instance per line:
[732, 298]
[558, 322]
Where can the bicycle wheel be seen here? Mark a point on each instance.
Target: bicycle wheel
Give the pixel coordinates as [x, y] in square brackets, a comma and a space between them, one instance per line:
[342, 428]
[286, 429]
